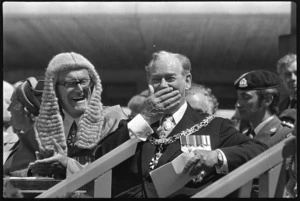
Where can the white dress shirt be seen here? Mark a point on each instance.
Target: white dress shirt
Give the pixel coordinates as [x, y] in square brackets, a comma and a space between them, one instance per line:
[72, 164]
[68, 121]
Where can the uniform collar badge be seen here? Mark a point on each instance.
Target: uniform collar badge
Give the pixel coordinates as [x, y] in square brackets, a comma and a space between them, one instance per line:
[243, 83]
[273, 129]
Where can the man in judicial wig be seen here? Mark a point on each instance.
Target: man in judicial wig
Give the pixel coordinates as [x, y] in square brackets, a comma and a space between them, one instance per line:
[71, 114]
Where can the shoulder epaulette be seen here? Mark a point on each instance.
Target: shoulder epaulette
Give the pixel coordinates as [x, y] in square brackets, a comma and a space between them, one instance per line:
[288, 124]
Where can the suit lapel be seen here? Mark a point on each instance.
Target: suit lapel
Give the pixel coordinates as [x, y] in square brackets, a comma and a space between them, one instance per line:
[148, 151]
[188, 120]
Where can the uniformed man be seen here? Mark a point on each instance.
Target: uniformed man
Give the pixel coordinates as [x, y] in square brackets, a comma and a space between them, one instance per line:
[257, 102]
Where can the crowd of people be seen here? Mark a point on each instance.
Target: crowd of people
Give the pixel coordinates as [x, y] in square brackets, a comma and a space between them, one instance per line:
[60, 125]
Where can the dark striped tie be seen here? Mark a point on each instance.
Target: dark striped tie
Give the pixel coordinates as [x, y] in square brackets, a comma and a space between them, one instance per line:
[72, 138]
[252, 133]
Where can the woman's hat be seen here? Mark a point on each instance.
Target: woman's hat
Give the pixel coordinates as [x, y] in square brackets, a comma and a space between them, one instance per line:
[30, 92]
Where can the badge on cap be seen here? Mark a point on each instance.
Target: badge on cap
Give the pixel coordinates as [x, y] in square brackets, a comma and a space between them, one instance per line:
[243, 83]
[273, 129]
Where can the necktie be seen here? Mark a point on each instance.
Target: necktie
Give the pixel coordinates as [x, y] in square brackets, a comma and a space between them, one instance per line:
[72, 138]
[167, 124]
[252, 133]
[294, 103]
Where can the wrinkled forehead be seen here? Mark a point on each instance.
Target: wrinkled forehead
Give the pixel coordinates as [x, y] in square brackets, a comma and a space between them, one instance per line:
[73, 74]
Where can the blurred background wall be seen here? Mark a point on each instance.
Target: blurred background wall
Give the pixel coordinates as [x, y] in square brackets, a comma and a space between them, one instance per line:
[222, 39]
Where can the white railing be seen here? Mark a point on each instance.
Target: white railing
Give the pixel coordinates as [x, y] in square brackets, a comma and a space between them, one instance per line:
[268, 166]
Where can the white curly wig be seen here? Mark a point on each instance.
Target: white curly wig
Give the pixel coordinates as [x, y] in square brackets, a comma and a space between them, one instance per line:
[49, 123]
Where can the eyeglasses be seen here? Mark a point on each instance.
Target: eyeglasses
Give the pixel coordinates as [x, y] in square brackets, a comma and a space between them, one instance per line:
[73, 84]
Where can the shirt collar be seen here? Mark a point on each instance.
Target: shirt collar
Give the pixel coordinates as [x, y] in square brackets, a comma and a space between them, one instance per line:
[262, 124]
[69, 119]
[179, 113]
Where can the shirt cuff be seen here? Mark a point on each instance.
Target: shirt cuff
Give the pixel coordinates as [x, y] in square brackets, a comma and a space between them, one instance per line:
[139, 128]
[224, 168]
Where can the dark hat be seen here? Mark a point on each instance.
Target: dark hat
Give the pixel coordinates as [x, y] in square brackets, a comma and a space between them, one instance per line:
[257, 79]
[30, 93]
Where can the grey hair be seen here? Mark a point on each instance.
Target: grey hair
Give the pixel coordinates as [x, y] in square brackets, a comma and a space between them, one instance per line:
[183, 60]
[212, 101]
[285, 61]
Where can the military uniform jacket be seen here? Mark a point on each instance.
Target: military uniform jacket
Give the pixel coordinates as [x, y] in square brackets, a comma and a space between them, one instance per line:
[131, 178]
[273, 132]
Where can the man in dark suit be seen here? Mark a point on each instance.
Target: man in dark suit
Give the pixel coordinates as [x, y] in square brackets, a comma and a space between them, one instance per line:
[169, 76]
[257, 103]
[287, 71]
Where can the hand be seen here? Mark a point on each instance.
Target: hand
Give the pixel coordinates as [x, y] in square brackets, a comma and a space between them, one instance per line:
[158, 103]
[41, 169]
[45, 166]
[59, 155]
[43, 153]
[202, 162]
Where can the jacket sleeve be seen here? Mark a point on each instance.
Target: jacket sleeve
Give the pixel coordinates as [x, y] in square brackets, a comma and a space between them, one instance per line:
[237, 147]
[112, 117]
[119, 136]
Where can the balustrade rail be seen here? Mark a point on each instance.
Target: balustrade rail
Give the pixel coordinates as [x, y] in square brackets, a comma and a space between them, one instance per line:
[269, 167]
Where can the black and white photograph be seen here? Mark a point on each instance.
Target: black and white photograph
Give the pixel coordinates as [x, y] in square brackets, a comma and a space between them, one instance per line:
[154, 99]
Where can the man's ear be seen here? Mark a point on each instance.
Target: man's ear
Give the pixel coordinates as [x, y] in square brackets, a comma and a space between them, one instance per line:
[188, 81]
[268, 100]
